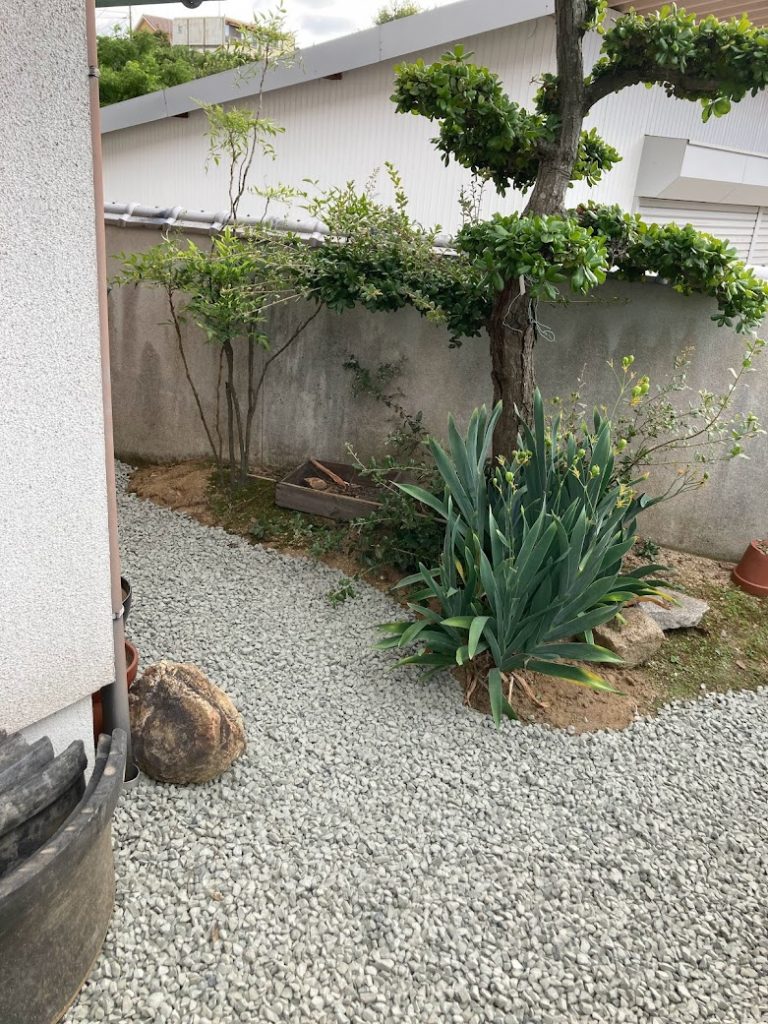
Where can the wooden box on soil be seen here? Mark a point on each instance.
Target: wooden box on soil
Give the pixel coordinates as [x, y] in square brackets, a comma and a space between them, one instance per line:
[293, 492]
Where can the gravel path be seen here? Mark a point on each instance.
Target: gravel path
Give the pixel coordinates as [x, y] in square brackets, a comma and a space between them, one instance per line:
[381, 854]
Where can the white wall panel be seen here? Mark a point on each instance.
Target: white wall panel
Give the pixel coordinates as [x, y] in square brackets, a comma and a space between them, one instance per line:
[341, 130]
[735, 224]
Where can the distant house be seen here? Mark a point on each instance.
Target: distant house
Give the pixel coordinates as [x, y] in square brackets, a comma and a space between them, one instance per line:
[154, 23]
[204, 33]
[340, 124]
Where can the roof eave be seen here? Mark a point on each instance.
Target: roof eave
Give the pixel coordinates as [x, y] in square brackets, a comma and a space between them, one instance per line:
[394, 39]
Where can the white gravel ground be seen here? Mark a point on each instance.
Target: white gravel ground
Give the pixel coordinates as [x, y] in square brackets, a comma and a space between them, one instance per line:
[381, 854]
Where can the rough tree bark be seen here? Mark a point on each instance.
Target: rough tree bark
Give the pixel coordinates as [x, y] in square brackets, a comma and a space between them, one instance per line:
[512, 324]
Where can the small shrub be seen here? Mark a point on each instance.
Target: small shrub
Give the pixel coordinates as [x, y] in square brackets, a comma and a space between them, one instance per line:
[395, 10]
[648, 550]
[345, 591]
[532, 557]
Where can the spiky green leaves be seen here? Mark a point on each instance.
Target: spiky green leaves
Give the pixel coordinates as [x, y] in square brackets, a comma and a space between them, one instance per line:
[532, 557]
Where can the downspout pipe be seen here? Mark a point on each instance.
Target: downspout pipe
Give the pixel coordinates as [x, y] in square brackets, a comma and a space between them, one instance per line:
[115, 696]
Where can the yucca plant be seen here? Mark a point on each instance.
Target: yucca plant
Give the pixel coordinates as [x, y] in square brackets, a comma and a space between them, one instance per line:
[532, 558]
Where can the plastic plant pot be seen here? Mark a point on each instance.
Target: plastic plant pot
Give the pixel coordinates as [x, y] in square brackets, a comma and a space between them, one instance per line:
[751, 574]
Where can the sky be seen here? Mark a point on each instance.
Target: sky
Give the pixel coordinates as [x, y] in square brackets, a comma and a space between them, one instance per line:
[312, 20]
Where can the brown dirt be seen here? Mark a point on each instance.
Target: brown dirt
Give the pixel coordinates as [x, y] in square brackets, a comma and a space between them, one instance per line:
[183, 487]
[186, 487]
[728, 651]
[578, 708]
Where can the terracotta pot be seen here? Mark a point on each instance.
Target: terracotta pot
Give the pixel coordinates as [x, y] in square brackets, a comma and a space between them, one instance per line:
[131, 661]
[751, 574]
[132, 667]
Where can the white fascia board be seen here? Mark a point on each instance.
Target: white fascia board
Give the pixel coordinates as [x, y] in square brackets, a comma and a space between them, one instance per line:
[395, 39]
[684, 170]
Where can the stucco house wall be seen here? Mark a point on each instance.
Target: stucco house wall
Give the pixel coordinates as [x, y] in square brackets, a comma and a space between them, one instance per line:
[55, 611]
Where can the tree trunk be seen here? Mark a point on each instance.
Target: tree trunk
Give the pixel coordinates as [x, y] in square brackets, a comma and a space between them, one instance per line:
[559, 155]
[511, 327]
[246, 453]
[230, 393]
[512, 334]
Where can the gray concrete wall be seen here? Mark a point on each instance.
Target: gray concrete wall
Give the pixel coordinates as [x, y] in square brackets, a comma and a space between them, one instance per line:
[307, 405]
[55, 612]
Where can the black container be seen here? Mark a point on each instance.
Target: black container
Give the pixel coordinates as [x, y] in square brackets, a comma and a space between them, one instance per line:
[127, 596]
[56, 902]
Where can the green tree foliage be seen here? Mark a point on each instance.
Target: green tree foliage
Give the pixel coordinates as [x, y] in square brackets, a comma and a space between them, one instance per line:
[524, 258]
[141, 62]
[133, 65]
[395, 10]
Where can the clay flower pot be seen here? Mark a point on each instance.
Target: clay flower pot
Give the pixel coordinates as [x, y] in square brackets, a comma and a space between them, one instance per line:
[751, 574]
[132, 667]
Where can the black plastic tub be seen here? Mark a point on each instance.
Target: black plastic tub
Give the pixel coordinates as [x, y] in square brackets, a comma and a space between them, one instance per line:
[57, 889]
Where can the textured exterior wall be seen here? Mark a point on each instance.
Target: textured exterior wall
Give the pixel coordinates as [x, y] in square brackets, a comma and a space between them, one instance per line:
[55, 613]
[336, 131]
[307, 408]
[73, 722]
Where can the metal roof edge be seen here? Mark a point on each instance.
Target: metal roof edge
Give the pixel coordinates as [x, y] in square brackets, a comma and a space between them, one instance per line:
[436, 27]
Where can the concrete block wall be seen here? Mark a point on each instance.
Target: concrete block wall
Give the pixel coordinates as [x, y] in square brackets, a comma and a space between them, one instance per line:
[307, 406]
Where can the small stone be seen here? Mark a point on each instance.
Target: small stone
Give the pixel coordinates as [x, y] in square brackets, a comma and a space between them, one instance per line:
[687, 613]
[184, 729]
[635, 641]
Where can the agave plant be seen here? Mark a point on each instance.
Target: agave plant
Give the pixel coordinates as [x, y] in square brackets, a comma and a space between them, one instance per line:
[532, 557]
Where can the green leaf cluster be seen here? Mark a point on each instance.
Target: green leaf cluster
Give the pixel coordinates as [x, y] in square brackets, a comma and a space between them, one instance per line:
[143, 62]
[532, 556]
[547, 251]
[715, 62]
[395, 10]
[375, 256]
[691, 261]
[485, 131]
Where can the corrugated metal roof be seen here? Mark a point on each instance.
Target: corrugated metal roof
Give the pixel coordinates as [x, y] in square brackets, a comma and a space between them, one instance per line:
[392, 40]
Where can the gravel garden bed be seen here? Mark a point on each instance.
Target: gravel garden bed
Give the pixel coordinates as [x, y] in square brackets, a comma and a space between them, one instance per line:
[382, 854]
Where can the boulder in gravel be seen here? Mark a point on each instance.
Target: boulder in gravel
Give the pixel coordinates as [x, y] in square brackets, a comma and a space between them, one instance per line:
[635, 641]
[685, 615]
[184, 729]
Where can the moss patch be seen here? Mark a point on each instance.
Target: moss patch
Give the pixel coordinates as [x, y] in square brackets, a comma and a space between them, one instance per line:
[729, 651]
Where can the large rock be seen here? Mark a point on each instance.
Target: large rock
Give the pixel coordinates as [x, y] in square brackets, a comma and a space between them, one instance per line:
[635, 641]
[184, 728]
[687, 613]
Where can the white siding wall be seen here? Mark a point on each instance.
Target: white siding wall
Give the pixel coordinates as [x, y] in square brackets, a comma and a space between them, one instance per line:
[55, 610]
[341, 130]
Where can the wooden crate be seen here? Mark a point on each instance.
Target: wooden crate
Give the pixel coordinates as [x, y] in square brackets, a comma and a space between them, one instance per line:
[292, 493]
